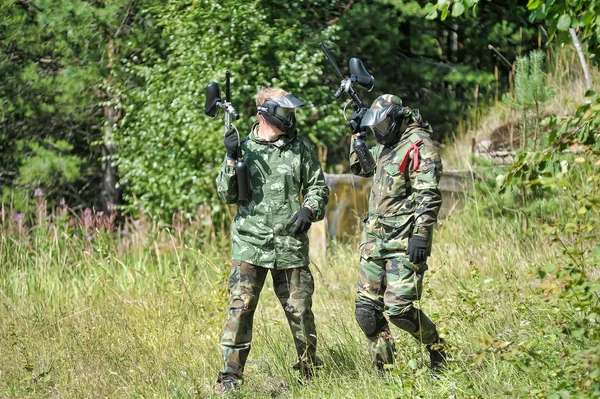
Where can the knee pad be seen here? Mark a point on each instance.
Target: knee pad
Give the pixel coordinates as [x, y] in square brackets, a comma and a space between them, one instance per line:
[407, 321]
[370, 320]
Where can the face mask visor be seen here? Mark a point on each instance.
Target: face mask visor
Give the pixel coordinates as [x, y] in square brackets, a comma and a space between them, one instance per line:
[285, 113]
[382, 128]
[377, 120]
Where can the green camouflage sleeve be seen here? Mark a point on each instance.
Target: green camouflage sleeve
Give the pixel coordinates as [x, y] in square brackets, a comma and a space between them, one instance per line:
[425, 185]
[355, 164]
[227, 184]
[314, 189]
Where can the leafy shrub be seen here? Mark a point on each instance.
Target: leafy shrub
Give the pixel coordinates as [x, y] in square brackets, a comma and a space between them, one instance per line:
[169, 151]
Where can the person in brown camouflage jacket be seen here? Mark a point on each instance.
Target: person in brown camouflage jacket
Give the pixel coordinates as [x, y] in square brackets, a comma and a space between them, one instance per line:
[403, 208]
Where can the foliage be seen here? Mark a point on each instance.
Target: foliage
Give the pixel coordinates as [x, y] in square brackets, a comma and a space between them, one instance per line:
[71, 71]
[55, 61]
[51, 169]
[558, 15]
[562, 15]
[444, 69]
[169, 151]
[531, 92]
[569, 279]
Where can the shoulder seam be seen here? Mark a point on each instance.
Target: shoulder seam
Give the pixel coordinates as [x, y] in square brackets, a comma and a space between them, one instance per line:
[305, 142]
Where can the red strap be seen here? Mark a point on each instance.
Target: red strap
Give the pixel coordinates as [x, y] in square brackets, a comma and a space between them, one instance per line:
[414, 148]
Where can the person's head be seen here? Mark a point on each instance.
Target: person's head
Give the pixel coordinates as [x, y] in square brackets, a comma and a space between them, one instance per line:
[276, 108]
[387, 118]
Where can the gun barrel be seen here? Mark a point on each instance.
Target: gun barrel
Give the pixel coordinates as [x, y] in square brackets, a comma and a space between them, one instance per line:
[227, 87]
[331, 60]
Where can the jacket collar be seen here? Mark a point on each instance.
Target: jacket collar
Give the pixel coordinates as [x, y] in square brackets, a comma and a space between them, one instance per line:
[281, 142]
[423, 127]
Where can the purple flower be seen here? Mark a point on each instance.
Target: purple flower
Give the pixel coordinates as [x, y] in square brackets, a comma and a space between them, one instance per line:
[99, 213]
[110, 207]
[38, 192]
[18, 215]
[87, 212]
[63, 203]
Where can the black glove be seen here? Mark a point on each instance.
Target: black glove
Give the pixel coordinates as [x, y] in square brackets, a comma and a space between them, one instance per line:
[354, 123]
[231, 143]
[303, 220]
[417, 249]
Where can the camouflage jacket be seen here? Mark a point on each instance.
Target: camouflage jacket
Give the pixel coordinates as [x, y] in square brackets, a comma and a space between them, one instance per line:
[405, 198]
[280, 171]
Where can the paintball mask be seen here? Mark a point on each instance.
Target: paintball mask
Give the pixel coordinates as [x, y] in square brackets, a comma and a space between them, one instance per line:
[281, 112]
[385, 118]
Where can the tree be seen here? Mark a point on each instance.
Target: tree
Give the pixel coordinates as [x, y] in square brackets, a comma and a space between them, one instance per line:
[168, 150]
[56, 62]
[442, 67]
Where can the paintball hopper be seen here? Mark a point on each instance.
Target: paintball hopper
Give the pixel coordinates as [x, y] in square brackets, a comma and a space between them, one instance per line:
[360, 75]
[213, 101]
[213, 97]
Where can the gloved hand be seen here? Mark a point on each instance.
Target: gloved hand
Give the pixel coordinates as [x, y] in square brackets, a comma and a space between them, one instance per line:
[417, 249]
[354, 123]
[231, 143]
[303, 220]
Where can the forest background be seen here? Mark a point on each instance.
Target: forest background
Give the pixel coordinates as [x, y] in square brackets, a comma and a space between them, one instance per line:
[102, 102]
[102, 107]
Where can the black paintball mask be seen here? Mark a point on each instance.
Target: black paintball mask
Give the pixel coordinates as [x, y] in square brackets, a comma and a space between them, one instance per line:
[281, 112]
[386, 122]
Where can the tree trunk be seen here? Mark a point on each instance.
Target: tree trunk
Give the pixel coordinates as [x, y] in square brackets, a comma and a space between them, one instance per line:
[584, 66]
[110, 194]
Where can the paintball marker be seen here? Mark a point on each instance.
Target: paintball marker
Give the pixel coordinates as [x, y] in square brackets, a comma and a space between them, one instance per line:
[360, 76]
[211, 107]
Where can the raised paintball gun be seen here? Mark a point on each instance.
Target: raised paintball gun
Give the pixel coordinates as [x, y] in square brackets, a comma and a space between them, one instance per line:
[211, 107]
[360, 76]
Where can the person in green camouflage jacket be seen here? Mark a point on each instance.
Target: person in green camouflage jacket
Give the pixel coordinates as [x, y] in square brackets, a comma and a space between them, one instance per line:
[403, 208]
[269, 232]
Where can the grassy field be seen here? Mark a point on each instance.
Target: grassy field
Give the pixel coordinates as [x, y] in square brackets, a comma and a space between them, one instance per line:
[85, 313]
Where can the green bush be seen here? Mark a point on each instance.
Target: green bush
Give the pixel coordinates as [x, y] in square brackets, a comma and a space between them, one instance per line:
[169, 151]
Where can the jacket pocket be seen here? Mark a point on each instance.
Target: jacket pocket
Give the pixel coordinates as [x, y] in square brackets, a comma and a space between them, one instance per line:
[395, 182]
[396, 231]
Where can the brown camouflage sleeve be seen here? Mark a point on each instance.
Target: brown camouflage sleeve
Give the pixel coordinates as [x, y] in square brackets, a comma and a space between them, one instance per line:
[355, 164]
[227, 184]
[314, 189]
[424, 183]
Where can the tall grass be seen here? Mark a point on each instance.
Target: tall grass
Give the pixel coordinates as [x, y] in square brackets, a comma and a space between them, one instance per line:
[89, 308]
[87, 311]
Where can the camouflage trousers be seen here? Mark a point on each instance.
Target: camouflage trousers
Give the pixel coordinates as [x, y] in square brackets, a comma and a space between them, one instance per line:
[390, 286]
[294, 288]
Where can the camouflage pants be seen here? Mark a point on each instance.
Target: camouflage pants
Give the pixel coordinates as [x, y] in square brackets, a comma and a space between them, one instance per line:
[391, 286]
[294, 288]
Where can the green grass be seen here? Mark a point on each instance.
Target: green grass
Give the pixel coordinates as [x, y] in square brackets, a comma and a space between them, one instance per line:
[140, 315]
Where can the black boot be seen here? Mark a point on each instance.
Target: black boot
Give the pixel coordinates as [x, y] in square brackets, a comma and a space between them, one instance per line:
[307, 370]
[226, 383]
[438, 354]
